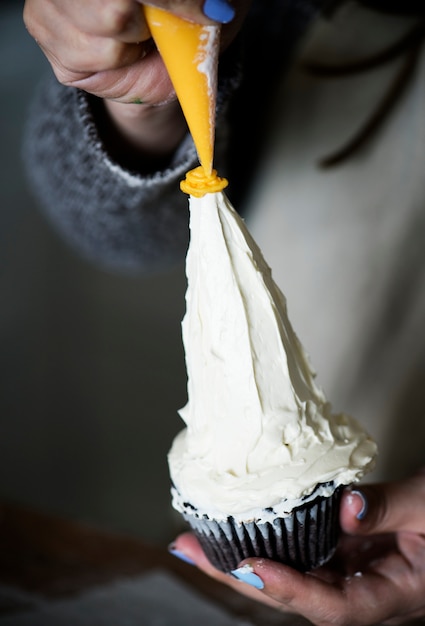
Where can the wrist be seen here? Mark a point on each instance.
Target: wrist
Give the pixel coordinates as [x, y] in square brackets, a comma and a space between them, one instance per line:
[139, 137]
[152, 129]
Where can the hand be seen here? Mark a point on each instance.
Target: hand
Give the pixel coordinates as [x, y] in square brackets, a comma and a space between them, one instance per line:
[377, 575]
[104, 47]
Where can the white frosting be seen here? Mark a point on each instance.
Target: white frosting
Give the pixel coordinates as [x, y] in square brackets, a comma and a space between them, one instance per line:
[206, 63]
[207, 57]
[259, 431]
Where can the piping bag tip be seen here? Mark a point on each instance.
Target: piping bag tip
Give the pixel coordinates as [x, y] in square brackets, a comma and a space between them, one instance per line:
[190, 53]
[197, 183]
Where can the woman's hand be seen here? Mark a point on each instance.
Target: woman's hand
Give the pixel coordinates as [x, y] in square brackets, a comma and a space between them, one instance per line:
[104, 47]
[377, 575]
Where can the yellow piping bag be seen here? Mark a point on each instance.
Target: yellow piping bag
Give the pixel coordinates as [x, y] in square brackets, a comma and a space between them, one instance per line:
[190, 53]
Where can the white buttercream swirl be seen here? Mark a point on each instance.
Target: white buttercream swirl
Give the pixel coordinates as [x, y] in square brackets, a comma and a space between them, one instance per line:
[259, 430]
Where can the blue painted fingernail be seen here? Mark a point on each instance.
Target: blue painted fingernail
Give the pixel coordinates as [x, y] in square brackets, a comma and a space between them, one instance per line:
[180, 555]
[219, 11]
[246, 575]
[363, 511]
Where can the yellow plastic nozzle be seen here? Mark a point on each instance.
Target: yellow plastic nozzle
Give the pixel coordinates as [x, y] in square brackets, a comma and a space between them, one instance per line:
[190, 54]
[197, 183]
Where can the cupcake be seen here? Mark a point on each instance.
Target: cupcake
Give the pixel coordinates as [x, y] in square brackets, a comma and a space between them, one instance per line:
[261, 464]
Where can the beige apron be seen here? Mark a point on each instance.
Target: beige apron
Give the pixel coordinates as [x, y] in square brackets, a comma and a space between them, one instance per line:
[347, 244]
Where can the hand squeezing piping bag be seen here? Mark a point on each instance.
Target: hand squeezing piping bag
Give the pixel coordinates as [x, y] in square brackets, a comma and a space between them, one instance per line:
[190, 53]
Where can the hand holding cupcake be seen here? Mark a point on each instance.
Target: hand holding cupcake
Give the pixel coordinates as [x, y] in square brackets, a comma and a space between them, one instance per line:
[377, 573]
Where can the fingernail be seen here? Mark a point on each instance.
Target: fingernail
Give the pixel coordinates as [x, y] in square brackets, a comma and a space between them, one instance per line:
[363, 510]
[246, 575]
[219, 11]
[180, 555]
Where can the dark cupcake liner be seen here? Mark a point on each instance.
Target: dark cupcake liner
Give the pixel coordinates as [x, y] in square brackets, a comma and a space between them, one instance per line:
[304, 539]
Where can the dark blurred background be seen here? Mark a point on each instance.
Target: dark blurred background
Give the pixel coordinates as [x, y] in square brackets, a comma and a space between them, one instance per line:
[91, 364]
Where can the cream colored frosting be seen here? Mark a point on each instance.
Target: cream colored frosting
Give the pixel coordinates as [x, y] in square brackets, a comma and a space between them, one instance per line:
[259, 432]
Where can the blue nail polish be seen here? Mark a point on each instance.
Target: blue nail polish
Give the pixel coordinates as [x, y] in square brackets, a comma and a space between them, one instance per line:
[246, 575]
[219, 11]
[363, 511]
[181, 556]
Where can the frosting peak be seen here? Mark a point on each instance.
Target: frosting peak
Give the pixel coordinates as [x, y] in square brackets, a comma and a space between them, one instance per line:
[258, 429]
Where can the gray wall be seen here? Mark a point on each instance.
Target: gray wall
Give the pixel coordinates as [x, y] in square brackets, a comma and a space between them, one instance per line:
[91, 364]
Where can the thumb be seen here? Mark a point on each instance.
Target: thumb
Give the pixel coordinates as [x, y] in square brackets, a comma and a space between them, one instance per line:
[201, 11]
[386, 507]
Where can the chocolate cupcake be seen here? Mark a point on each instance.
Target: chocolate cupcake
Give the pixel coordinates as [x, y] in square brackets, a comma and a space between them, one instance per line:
[260, 466]
[304, 538]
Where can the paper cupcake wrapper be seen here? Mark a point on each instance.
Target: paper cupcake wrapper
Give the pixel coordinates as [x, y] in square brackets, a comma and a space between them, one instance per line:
[304, 540]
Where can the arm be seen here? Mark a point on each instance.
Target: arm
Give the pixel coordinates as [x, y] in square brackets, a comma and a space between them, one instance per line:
[114, 215]
[106, 170]
[377, 575]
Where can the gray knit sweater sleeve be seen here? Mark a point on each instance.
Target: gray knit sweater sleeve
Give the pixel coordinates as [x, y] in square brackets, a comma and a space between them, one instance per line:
[119, 219]
[125, 220]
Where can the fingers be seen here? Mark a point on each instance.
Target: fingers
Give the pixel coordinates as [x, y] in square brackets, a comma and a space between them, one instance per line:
[294, 590]
[84, 42]
[87, 37]
[358, 600]
[188, 545]
[104, 46]
[383, 508]
[117, 19]
[187, 548]
[383, 589]
[289, 591]
[230, 14]
[202, 11]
